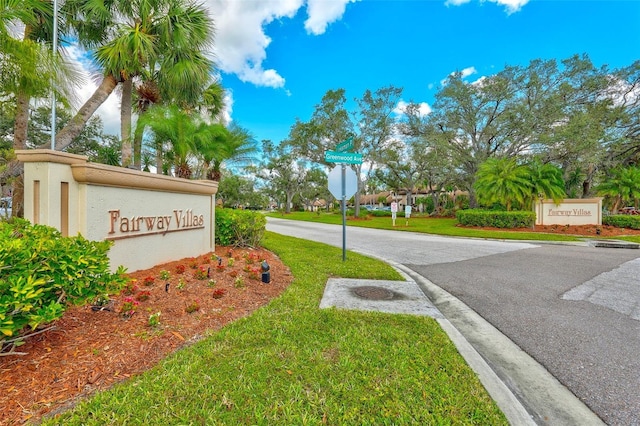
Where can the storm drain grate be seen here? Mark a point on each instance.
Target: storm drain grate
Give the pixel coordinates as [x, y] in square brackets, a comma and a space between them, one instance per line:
[373, 293]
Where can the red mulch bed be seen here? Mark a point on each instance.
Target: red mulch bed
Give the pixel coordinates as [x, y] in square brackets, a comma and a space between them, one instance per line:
[578, 230]
[91, 350]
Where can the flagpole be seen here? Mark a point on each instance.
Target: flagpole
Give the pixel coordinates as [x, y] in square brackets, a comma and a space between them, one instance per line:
[53, 89]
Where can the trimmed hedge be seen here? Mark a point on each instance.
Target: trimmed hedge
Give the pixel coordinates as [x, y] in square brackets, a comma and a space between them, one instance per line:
[622, 221]
[497, 219]
[239, 228]
[41, 272]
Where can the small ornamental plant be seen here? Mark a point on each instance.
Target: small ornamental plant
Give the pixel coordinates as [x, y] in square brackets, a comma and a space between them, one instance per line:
[233, 274]
[230, 253]
[164, 275]
[211, 283]
[218, 293]
[129, 307]
[238, 283]
[230, 262]
[202, 273]
[193, 263]
[254, 273]
[192, 307]
[180, 269]
[149, 280]
[143, 295]
[129, 288]
[220, 268]
[154, 320]
[250, 258]
[181, 284]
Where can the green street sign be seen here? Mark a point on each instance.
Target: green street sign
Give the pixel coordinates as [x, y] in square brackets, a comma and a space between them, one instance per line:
[343, 157]
[345, 145]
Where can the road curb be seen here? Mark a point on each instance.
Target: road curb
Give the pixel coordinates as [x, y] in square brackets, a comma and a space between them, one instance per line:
[537, 392]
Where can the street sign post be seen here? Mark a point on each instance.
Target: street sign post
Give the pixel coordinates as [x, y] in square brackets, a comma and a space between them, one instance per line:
[343, 183]
[394, 212]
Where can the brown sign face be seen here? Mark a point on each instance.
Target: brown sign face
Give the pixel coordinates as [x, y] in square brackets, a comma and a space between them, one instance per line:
[134, 226]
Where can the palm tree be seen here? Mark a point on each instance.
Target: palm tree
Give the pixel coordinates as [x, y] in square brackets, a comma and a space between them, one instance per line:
[228, 145]
[546, 180]
[210, 103]
[166, 39]
[503, 180]
[623, 186]
[183, 131]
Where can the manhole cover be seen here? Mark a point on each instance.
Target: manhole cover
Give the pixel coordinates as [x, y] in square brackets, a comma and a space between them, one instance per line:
[373, 293]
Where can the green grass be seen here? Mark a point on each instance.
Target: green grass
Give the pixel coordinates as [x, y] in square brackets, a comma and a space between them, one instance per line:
[291, 363]
[438, 226]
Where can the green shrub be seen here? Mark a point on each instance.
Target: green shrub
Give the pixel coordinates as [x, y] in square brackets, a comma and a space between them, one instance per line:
[239, 228]
[622, 221]
[497, 219]
[429, 204]
[42, 272]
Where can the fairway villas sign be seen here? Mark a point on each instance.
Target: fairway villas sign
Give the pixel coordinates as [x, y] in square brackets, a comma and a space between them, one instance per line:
[151, 219]
[134, 226]
[580, 211]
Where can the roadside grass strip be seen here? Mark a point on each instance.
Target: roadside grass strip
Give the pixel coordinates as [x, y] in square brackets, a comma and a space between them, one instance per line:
[427, 225]
[291, 363]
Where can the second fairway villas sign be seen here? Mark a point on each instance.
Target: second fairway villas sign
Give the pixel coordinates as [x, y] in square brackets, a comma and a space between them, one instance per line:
[582, 211]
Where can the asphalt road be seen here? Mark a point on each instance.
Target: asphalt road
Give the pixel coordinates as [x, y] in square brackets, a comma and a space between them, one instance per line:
[575, 309]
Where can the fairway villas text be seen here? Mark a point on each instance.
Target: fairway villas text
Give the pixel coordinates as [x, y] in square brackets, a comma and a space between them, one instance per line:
[180, 220]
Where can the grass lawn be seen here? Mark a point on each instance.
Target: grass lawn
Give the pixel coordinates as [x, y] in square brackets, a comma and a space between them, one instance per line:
[439, 226]
[291, 363]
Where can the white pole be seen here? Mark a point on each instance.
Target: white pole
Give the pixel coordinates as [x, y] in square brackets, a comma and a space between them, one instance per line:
[53, 91]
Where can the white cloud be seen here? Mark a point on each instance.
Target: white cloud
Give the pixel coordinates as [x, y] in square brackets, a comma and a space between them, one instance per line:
[479, 82]
[241, 43]
[464, 74]
[228, 107]
[468, 71]
[321, 13]
[401, 108]
[511, 6]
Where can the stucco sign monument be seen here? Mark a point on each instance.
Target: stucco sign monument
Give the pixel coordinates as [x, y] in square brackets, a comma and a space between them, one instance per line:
[578, 211]
[151, 219]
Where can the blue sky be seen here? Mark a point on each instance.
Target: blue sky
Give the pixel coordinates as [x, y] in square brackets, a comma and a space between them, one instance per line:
[415, 44]
[277, 58]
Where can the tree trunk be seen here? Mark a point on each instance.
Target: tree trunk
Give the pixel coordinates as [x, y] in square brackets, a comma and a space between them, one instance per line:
[287, 208]
[137, 147]
[22, 119]
[159, 161]
[74, 127]
[125, 123]
[19, 142]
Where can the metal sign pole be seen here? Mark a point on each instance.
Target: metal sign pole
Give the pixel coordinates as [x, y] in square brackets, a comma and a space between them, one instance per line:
[344, 213]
